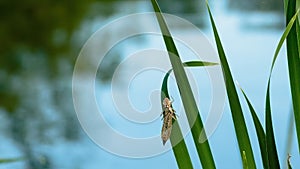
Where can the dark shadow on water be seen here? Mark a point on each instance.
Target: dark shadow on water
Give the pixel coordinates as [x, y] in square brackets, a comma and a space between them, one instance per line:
[191, 10]
[256, 5]
[39, 45]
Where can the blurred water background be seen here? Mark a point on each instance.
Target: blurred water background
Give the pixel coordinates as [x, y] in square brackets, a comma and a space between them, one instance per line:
[40, 42]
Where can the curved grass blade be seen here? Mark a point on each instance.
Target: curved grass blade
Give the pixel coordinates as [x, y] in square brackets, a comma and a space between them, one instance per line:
[187, 97]
[270, 138]
[283, 37]
[293, 57]
[198, 63]
[179, 150]
[235, 106]
[261, 136]
[164, 87]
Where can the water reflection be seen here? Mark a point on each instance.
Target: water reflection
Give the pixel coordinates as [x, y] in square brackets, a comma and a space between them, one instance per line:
[191, 10]
[256, 5]
[39, 44]
[265, 14]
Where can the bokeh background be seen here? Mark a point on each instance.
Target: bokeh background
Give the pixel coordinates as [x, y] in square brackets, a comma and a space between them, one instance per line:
[40, 41]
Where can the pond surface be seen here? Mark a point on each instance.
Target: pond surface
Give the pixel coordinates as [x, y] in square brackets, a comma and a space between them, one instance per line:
[45, 127]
